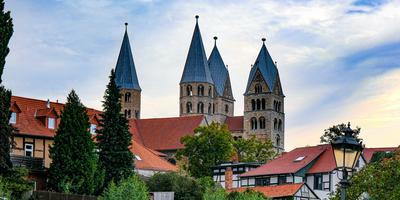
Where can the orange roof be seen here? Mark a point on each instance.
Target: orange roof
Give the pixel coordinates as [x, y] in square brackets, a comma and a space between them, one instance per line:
[369, 152]
[164, 133]
[149, 160]
[235, 123]
[274, 191]
[286, 164]
[325, 162]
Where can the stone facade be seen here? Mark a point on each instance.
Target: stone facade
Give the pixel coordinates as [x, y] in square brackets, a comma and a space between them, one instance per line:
[130, 103]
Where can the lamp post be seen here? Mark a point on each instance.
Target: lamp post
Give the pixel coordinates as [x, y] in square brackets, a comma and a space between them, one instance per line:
[346, 151]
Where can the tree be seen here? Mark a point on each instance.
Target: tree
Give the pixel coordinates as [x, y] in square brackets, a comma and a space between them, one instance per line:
[114, 138]
[74, 161]
[210, 146]
[221, 194]
[6, 31]
[131, 188]
[335, 131]
[254, 150]
[377, 180]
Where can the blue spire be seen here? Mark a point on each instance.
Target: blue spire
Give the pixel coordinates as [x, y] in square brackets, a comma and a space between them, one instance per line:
[218, 70]
[125, 71]
[196, 66]
[266, 66]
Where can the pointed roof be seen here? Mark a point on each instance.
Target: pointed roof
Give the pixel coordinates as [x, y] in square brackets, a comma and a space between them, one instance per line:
[266, 66]
[125, 71]
[196, 66]
[218, 70]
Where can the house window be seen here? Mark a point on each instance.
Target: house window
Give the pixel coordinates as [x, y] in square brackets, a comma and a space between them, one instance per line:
[51, 123]
[29, 150]
[93, 129]
[263, 181]
[281, 180]
[200, 90]
[13, 118]
[318, 181]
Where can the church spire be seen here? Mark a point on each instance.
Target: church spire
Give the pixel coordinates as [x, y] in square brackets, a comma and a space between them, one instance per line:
[196, 67]
[125, 71]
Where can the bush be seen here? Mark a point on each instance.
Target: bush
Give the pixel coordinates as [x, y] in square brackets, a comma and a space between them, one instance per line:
[131, 188]
[4, 192]
[15, 183]
[220, 194]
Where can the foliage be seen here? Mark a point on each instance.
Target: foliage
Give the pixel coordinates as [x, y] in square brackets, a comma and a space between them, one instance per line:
[74, 166]
[131, 188]
[378, 180]
[6, 31]
[211, 145]
[220, 194]
[185, 187]
[335, 131]
[254, 150]
[15, 183]
[4, 191]
[114, 138]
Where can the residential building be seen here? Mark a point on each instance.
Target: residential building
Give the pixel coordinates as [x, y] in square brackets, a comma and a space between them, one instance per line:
[220, 175]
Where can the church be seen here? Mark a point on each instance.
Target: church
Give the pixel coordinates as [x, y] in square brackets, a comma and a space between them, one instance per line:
[206, 96]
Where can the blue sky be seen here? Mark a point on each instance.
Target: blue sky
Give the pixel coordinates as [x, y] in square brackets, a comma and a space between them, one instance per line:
[338, 60]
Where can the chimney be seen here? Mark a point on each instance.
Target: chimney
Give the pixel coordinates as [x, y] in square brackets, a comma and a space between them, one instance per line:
[228, 178]
[48, 103]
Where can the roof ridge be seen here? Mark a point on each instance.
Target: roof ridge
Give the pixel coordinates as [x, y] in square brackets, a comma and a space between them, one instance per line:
[178, 117]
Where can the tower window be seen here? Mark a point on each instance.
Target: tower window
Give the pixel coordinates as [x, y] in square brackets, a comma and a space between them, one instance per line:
[209, 108]
[253, 123]
[280, 125]
[213, 108]
[200, 90]
[200, 107]
[126, 113]
[210, 91]
[275, 124]
[278, 140]
[129, 114]
[13, 118]
[279, 106]
[51, 123]
[188, 107]
[253, 105]
[258, 104]
[189, 90]
[137, 114]
[258, 89]
[128, 97]
[263, 104]
[262, 122]
[226, 108]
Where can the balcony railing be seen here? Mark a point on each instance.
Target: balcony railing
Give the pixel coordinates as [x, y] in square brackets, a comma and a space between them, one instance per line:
[29, 162]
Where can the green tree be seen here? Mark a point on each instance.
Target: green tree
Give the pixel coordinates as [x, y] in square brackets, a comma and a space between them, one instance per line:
[114, 138]
[254, 150]
[131, 188]
[6, 31]
[220, 194]
[377, 180]
[210, 146]
[336, 131]
[74, 166]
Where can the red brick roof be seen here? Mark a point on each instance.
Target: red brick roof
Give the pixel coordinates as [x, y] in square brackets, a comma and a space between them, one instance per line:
[286, 163]
[164, 133]
[369, 152]
[275, 191]
[149, 160]
[235, 123]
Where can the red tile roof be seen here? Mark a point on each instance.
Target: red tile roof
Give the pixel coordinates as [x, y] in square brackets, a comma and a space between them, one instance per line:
[164, 133]
[149, 160]
[369, 152]
[286, 163]
[275, 191]
[235, 123]
[325, 162]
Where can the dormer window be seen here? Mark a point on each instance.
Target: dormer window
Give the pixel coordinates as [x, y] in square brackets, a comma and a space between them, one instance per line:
[13, 118]
[138, 157]
[51, 123]
[93, 129]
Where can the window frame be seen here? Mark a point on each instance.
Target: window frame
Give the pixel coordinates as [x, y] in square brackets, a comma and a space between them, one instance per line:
[30, 150]
[91, 130]
[51, 125]
[13, 118]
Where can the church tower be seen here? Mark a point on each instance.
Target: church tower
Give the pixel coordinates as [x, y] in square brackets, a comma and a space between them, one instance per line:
[196, 85]
[126, 79]
[264, 114]
[223, 105]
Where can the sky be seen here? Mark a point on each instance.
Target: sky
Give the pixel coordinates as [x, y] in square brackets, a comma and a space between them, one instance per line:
[339, 61]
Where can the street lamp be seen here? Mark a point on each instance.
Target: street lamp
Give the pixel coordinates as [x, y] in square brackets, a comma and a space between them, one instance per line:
[346, 151]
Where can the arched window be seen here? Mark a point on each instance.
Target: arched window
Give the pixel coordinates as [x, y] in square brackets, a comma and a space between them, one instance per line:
[262, 122]
[253, 104]
[210, 91]
[280, 125]
[209, 108]
[200, 90]
[137, 114]
[278, 140]
[279, 106]
[253, 123]
[189, 90]
[188, 107]
[263, 104]
[258, 104]
[200, 107]
[226, 108]
[213, 108]
[126, 113]
[128, 97]
[274, 105]
[258, 88]
[129, 114]
[275, 124]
